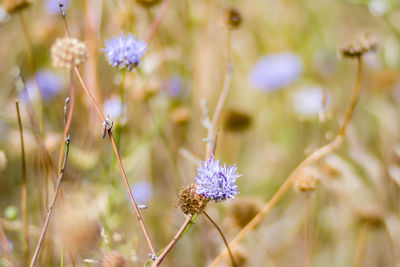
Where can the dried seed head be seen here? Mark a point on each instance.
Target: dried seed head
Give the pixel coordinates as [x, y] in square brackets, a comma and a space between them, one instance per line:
[243, 210]
[190, 202]
[361, 45]
[237, 121]
[307, 180]
[233, 19]
[68, 52]
[148, 3]
[370, 213]
[113, 259]
[13, 6]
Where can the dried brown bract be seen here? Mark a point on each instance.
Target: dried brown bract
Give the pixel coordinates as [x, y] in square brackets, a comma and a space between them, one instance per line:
[307, 180]
[233, 19]
[190, 202]
[237, 121]
[363, 44]
[13, 6]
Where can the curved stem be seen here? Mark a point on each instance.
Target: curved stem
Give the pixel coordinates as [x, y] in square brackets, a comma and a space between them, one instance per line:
[24, 195]
[223, 237]
[171, 244]
[221, 99]
[60, 174]
[312, 158]
[114, 146]
[307, 241]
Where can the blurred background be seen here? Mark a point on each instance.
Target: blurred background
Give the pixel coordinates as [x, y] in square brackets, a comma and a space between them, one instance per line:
[288, 96]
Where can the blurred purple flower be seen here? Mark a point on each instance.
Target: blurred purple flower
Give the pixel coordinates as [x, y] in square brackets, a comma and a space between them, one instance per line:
[112, 106]
[51, 6]
[216, 182]
[124, 51]
[309, 101]
[174, 86]
[50, 84]
[275, 71]
[142, 192]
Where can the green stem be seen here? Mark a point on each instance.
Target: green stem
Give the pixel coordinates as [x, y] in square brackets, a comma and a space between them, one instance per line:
[121, 98]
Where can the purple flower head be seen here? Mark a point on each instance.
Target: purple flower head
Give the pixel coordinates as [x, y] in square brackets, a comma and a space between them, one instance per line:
[275, 71]
[125, 51]
[112, 107]
[50, 84]
[216, 182]
[142, 192]
[51, 6]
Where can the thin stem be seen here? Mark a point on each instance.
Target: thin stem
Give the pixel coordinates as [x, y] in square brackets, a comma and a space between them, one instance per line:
[221, 99]
[67, 122]
[157, 21]
[115, 149]
[360, 245]
[218, 109]
[312, 158]
[128, 188]
[354, 97]
[60, 174]
[24, 192]
[223, 237]
[89, 93]
[307, 241]
[171, 244]
[4, 244]
[28, 44]
[121, 99]
[50, 210]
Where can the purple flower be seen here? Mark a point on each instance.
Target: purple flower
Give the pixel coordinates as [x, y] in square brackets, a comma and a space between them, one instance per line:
[112, 107]
[125, 51]
[50, 84]
[309, 101]
[216, 182]
[51, 6]
[275, 71]
[174, 86]
[142, 192]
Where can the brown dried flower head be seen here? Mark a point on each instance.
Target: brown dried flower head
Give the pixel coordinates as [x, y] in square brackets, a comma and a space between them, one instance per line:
[148, 3]
[233, 19]
[13, 6]
[190, 202]
[113, 259]
[362, 44]
[243, 210]
[68, 52]
[307, 180]
[237, 121]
